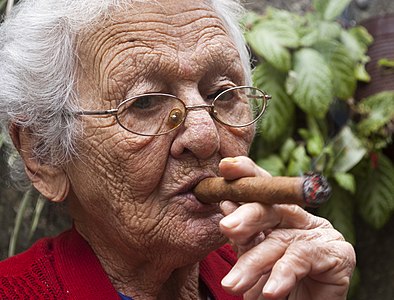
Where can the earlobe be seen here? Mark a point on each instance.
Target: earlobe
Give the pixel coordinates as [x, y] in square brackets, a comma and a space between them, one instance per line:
[51, 181]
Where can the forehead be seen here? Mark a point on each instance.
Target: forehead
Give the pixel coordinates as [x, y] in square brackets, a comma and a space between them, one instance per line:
[167, 39]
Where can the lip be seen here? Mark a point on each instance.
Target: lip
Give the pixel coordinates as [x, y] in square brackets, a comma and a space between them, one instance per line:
[186, 192]
[189, 186]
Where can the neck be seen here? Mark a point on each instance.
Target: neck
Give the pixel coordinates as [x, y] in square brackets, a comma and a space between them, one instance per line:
[132, 274]
[182, 284]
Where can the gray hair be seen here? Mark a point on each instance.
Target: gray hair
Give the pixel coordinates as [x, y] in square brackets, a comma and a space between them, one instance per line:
[38, 68]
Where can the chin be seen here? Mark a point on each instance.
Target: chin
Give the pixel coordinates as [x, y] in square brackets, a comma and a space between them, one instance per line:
[200, 237]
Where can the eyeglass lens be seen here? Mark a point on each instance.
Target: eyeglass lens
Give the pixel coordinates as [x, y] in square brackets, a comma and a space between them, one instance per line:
[239, 107]
[156, 114]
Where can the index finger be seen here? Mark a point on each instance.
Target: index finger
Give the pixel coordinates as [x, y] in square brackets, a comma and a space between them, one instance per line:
[252, 218]
[240, 166]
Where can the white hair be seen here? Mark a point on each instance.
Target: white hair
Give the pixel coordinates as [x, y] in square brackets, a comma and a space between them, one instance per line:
[38, 64]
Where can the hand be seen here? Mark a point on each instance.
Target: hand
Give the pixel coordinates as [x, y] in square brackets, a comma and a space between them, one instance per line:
[283, 250]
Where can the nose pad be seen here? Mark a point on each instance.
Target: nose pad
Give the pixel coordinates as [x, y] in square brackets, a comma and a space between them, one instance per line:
[175, 117]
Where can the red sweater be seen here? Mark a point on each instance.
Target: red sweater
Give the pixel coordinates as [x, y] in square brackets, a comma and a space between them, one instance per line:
[65, 267]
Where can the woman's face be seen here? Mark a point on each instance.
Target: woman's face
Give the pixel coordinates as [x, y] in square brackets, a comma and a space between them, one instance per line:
[135, 192]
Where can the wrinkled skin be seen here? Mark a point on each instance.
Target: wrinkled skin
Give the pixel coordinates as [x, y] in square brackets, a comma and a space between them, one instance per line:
[139, 198]
[130, 196]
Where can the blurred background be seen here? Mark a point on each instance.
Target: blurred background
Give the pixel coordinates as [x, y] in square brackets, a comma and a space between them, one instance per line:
[329, 65]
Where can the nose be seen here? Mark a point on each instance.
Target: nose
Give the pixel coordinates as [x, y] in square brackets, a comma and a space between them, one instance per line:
[198, 135]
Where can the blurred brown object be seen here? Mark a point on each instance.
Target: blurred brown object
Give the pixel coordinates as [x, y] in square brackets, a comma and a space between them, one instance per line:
[382, 79]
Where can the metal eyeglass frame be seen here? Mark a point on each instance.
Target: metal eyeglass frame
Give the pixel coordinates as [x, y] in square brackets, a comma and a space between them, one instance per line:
[114, 112]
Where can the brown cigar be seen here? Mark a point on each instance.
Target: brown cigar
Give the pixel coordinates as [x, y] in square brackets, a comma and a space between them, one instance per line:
[310, 190]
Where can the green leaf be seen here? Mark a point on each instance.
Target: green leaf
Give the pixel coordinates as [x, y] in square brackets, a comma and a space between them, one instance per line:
[375, 195]
[250, 19]
[387, 63]
[348, 151]
[328, 30]
[291, 82]
[41, 201]
[288, 147]
[314, 91]
[285, 16]
[330, 9]
[342, 66]
[300, 162]
[346, 181]
[271, 40]
[27, 198]
[378, 110]
[277, 122]
[319, 30]
[362, 36]
[310, 37]
[381, 101]
[361, 73]
[356, 48]
[314, 141]
[273, 164]
[315, 145]
[339, 211]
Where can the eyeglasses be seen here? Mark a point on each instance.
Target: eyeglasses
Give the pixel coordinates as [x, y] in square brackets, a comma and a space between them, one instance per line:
[156, 114]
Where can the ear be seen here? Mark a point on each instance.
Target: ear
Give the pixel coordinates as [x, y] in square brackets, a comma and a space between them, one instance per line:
[51, 181]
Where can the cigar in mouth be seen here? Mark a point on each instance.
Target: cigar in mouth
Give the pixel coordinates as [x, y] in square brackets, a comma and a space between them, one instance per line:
[310, 190]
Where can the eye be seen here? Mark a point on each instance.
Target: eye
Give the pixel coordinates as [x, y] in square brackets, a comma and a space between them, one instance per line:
[223, 95]
[214, 95]
[144, 102]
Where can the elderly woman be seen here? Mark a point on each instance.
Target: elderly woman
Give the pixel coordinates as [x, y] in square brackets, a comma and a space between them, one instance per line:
[119, 108]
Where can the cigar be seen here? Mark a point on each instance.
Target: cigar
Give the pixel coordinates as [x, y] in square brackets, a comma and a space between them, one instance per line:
[310, 190]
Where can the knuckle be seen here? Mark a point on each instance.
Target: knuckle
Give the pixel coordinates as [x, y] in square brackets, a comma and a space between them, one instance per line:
[252, 259]
[323, 223]
[255, 213]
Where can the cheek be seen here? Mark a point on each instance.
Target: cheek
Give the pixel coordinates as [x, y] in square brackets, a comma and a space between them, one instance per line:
[235, 141]
[123, 164]
[140, 163]
[116, 175]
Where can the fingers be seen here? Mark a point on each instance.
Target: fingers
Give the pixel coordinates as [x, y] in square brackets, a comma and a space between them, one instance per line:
[251, 266]
[326, 267]
[283, 250]
[241, 166]
[247, 221]
[255, 292]
[228, 207]
[289, 255]
[242, 223]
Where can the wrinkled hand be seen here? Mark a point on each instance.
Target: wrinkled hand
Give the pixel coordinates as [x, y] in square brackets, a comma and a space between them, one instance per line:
[284, 252]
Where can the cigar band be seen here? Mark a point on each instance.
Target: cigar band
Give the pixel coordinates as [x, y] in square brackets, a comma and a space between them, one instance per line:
[316, 190]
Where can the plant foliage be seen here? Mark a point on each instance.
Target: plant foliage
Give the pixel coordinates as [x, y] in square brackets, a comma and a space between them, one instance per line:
[311, 64]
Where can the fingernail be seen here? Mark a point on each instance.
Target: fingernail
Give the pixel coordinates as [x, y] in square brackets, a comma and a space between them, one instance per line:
[231, 279]
[270, 287]
[229, 160]
[230, 221]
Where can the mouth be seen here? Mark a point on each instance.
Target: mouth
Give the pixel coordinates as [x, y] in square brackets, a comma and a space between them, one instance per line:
[187, 190]
[189, 186]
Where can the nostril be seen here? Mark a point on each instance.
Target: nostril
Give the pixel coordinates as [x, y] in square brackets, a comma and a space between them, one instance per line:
[198, 136]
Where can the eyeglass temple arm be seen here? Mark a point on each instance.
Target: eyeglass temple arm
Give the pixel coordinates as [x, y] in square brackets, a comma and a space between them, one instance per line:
[97, 113]
[266, 96]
